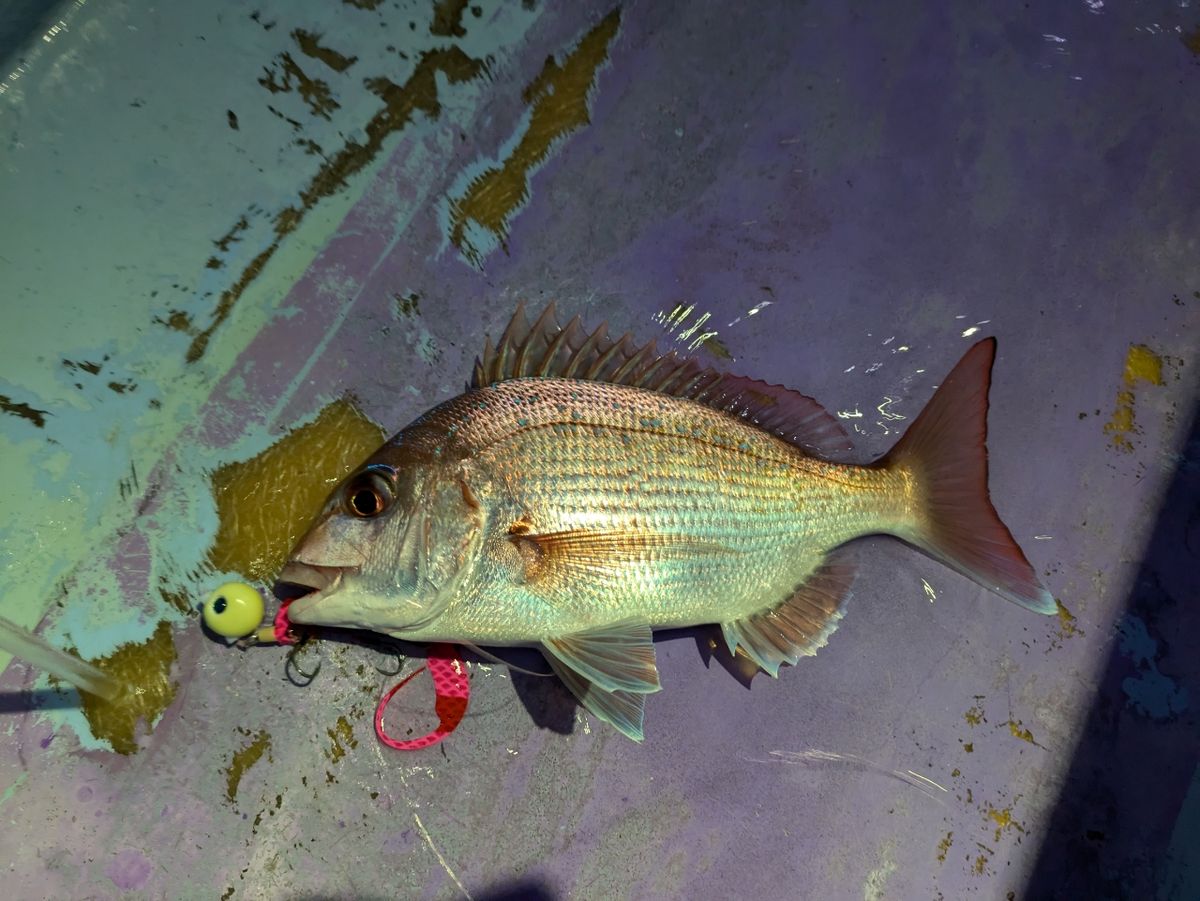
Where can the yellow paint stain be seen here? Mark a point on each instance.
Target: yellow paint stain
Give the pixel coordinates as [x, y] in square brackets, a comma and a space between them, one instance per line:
[447, 18]
[179, 600]
[1066, 621]
[310, 45]
[969, 747]
[975, 716]
[1018, 731]
[558, 105]
[1003, 819]
[342, 737]
[24, 411]
[1142, 365]
[315, 93]
[145, 667]
[1191, 40]
[980, 864]
[243, 760]
[1067, 626]
[264, 504]
[944, 846]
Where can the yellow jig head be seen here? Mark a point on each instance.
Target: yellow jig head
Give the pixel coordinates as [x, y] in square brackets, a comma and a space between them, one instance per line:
[234, 610]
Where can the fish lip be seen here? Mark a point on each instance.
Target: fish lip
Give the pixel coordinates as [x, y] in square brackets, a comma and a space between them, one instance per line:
[302, 586]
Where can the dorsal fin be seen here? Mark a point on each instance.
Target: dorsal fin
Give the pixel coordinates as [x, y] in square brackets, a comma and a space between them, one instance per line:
[549, 350]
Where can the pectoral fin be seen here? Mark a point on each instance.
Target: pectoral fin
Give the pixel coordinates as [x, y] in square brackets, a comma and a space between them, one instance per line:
[622, 709]
[586, 553]
[619, 657]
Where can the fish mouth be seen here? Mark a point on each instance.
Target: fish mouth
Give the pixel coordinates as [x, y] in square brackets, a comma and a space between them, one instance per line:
[302, 586]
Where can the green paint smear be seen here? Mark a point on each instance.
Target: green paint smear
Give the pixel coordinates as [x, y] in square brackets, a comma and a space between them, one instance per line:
[12, 789]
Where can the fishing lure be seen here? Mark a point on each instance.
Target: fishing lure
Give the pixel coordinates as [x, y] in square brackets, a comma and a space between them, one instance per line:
[451, 684]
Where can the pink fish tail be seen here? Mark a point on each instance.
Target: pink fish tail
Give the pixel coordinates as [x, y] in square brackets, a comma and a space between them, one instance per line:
[944, 454]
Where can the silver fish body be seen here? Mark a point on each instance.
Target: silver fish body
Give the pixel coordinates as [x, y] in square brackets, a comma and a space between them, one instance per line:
[579, 513]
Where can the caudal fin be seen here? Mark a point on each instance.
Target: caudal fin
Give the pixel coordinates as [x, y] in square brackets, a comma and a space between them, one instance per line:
[945, 453]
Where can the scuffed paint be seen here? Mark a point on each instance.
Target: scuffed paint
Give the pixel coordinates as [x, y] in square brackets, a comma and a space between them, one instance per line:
[146, 668]
[264, 504]
[488, 195]
[136, 309]
[401, 102]
[1142, 365]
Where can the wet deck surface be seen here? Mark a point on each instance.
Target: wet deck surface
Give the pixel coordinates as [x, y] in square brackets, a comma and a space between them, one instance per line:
[288, 212]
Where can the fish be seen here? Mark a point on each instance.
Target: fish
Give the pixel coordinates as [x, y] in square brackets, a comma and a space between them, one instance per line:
[584, 491]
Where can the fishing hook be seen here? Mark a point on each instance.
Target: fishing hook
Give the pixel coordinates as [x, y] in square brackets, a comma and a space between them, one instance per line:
[291, 665]
[400, 661]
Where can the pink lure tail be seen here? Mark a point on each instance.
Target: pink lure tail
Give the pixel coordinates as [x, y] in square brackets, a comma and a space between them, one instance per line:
[945, 452]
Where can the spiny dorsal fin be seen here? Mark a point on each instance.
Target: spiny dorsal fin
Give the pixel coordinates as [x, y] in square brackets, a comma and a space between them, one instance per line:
[549, 350]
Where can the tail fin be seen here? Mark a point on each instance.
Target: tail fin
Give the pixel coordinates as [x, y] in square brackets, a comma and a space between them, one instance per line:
[945, 452]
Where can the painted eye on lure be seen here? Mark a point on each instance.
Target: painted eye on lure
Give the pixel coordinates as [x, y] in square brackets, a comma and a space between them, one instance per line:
[234, 610]
[369, 493]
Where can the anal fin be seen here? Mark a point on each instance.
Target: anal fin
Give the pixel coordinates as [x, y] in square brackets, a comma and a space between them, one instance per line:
[622, 709]
[800, 625]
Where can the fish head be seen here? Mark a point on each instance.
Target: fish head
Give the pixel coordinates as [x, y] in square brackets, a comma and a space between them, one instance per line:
[389, 550]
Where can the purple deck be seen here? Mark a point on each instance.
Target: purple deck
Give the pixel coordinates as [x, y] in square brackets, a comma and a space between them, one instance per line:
[895, 183]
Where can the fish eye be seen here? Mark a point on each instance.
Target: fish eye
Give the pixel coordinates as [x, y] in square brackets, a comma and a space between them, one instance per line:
[369, 494]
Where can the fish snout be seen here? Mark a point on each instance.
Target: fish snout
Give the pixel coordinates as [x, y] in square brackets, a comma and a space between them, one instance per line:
[306, 576]
[334, 544]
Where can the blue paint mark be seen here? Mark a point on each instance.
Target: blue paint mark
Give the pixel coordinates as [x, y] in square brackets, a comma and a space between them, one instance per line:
[1149, 692]
[1135, 641]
